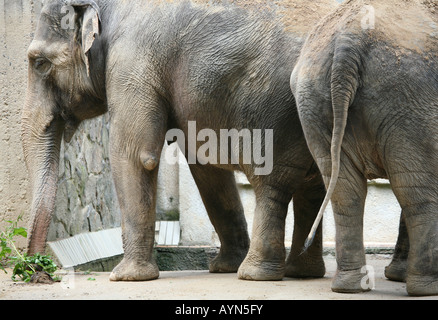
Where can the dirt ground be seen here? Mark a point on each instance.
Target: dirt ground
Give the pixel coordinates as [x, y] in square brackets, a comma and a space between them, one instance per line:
[202, 285]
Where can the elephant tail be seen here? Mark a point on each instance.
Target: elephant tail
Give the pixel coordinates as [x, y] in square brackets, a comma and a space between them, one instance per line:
[345, 81]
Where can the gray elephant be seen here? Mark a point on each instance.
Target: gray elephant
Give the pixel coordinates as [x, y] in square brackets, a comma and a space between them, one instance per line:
[159, 65]
[366, 86]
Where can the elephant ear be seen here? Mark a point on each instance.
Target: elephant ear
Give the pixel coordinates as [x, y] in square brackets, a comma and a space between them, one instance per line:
[88, 26]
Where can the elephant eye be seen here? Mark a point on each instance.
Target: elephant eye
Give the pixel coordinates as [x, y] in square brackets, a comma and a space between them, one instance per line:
[42, 65]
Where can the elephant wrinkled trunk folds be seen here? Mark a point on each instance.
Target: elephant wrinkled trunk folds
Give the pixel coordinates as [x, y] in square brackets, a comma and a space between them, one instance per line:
[41, 146]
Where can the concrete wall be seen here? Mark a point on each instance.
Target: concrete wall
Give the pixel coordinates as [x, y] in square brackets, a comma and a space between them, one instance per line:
[17, 22]
[86, 200]
[382, 214]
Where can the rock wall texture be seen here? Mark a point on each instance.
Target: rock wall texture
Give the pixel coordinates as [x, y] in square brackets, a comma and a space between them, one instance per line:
[86, 199]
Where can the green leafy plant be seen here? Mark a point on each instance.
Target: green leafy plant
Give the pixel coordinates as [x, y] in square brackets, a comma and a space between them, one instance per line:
[23, 266]
[7, 242]
[26, 266]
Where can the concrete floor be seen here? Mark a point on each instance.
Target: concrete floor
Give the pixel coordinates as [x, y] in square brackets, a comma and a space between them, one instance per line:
[202, 285]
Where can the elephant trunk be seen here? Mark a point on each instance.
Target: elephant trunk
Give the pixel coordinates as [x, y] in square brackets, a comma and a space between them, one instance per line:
[41, 137]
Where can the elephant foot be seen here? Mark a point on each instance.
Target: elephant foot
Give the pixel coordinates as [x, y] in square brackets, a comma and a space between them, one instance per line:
[128, 270]
[257, 270]
[396, 271]
[352, 281]
[422, 285]
[226, 263]
[303, 267]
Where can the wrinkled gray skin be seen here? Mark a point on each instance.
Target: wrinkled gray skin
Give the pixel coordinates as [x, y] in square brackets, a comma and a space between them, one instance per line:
[368, 103]
[154, 68]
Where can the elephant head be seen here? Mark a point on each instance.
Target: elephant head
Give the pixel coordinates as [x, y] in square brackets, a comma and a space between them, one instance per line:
[64, 88]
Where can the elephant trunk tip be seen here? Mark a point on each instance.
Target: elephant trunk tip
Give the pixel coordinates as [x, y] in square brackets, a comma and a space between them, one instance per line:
[36, 246]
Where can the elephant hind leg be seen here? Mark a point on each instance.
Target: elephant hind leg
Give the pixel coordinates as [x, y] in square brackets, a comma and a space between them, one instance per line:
[417, 193]
[396, 270]
[306, 202]
[422, 272]
[221, 198]
[348, 204]
[266, 257]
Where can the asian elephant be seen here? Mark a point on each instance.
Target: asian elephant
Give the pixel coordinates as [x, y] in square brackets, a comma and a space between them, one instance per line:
[161, 65]
[366, 85]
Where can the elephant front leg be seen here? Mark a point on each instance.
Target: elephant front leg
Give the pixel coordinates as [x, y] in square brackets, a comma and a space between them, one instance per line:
[266, 257]
[136, 190]
[135, 150]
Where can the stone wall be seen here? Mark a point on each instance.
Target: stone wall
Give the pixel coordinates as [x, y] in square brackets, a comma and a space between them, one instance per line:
[86, 199]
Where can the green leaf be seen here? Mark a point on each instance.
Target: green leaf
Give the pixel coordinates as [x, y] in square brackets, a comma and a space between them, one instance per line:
[20, 232]
[5, 250]
[22, 265]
